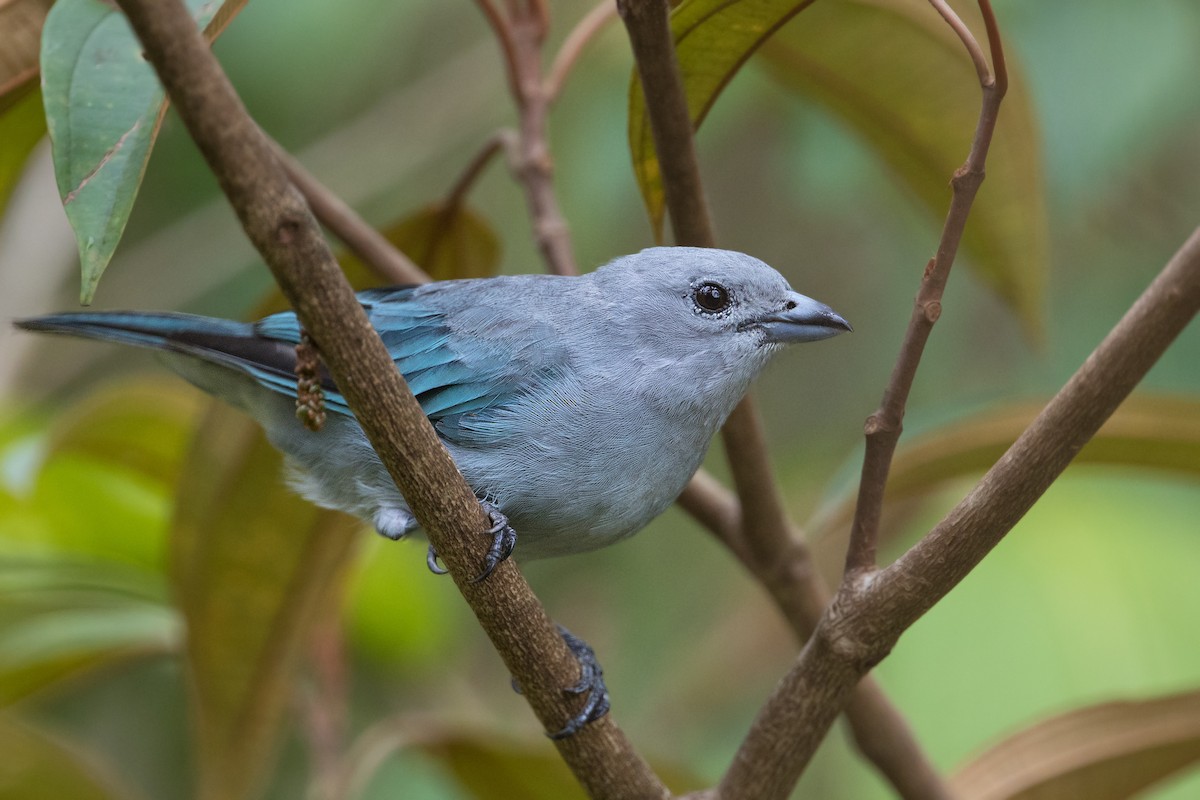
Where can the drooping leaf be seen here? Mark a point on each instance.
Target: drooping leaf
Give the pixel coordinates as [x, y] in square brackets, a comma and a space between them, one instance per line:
[899, 78]
[1109, 751]
[713, 39]
[35, 765]
[252, 566]
[22, 125]
[1147, 431]
[104, 105]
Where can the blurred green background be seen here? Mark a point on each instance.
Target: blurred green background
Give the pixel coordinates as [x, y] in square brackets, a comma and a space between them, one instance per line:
[1092, 597]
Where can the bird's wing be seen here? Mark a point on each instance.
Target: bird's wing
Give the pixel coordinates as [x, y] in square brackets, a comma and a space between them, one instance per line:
[456, 362]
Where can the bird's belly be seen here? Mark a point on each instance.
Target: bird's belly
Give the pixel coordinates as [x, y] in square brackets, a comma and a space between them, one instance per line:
[575, 499]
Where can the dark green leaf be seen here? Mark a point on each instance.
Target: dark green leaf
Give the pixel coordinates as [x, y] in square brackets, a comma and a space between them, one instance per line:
[104, 106]
[22, 125]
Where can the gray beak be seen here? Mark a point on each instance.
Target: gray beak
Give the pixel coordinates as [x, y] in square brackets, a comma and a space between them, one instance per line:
[802, 319]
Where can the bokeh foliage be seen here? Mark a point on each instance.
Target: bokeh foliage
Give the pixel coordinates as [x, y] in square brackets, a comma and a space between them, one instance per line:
[153, 566]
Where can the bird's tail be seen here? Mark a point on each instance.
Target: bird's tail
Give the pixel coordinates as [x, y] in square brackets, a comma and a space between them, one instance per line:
[205, 337]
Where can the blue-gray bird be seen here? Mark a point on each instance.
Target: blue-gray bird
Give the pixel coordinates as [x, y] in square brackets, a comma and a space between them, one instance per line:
[577, 407]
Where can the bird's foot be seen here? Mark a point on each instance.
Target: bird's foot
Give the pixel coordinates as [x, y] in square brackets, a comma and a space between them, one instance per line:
[590, 684]
[504, 539]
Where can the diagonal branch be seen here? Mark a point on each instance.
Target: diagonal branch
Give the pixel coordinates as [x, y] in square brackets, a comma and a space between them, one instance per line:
[867, 618]
[283, 229]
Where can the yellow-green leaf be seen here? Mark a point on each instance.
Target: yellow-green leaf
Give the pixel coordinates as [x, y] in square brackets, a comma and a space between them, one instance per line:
[1110, 751]
[1147, 431]
[35, 765]
[253, 566]
[104, 105]
[713, 38]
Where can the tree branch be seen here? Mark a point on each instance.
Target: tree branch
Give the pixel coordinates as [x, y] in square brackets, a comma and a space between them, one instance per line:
[866, 618]
[755, 527]
[884, 426]
[281, 226]
[568, 53]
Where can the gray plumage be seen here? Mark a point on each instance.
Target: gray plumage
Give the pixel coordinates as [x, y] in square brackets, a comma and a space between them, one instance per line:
[578, 406]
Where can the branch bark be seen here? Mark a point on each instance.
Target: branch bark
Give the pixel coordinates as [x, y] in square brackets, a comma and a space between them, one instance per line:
[283, 229]
[763, 538]
[867, 617]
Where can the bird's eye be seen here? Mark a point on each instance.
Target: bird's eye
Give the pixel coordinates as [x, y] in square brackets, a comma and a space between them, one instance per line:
[711, 297]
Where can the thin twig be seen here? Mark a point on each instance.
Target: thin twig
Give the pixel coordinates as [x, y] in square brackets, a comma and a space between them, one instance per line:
[968, 39]
[866, 618]
[371, 247]
[279, 223]
[500, 141]
[504, 35]
[884, 426]
[572, 47]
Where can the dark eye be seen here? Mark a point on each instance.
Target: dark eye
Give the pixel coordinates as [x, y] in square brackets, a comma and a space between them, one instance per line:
[711, 297]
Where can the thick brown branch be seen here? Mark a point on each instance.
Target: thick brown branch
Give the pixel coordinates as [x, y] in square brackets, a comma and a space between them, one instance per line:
[883, 427]
[866, 618]
[281, 226]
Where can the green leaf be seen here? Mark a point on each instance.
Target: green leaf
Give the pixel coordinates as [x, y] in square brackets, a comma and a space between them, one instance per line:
[35, 765]
[104, 105]
[61, 617]
[22, 125]
[713, 38]
[1109, 751]
[253, 566]
[895, 74]
[1147, 431]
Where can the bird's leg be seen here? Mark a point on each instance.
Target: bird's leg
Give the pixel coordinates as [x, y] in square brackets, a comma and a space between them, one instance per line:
[504, 539]
[590, 683]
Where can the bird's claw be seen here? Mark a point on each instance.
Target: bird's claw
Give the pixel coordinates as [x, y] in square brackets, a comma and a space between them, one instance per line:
[504, 539]
[590, 683]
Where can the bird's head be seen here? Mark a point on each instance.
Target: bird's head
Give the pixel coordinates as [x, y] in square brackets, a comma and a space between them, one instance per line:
[701, 294]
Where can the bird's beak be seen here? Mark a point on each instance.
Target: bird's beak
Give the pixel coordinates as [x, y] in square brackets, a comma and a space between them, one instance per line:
[802, 319]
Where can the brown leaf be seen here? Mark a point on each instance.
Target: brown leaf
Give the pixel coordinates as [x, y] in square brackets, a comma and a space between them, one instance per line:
[1149, 431]
[1103, 752]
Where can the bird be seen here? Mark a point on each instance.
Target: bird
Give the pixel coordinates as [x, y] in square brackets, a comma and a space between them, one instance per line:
[576, 407]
